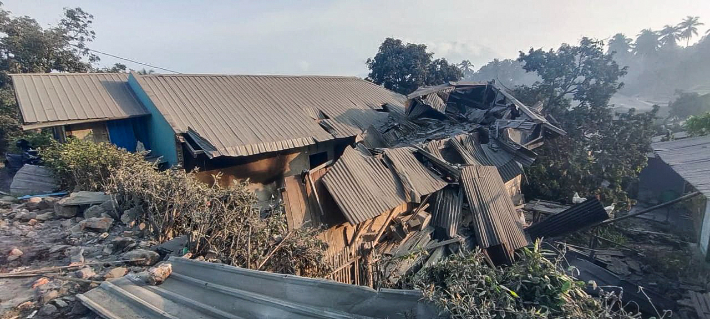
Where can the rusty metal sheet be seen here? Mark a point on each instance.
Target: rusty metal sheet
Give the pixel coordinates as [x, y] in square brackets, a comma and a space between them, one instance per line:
[421, 178]
[494, 217]
[447, 210]
[572, 219]
[50, 99]
[362, 186]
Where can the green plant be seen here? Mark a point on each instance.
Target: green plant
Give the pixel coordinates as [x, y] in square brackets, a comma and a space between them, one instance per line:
[535, 286]
[698, 125]
[219, 221]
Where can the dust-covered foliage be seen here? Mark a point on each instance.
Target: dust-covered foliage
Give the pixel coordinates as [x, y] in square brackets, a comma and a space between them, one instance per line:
[221, 222]
[466, 286]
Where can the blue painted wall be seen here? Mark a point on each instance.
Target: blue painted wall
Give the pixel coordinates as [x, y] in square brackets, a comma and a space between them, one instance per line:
[161, 137]
[121, 133]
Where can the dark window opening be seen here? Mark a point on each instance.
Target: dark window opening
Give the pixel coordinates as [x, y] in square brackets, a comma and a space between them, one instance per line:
[317, 159]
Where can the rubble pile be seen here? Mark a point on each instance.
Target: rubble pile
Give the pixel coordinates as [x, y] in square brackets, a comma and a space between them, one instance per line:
[53, 249]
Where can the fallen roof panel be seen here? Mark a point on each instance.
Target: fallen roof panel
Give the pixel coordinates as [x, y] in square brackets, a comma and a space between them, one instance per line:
[198, 289]
[572, 219]
[421, 178]
[494, 215]
[447, 210]
[362, 186]
[50, 99]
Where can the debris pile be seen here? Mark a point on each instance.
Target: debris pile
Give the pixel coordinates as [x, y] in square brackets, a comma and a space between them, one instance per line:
[444, 175]
[55, 248]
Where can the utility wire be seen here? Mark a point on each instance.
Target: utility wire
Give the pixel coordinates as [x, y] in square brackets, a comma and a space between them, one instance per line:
[129, 60]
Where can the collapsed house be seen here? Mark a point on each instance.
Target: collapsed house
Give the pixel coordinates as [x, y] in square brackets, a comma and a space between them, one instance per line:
[381, 173]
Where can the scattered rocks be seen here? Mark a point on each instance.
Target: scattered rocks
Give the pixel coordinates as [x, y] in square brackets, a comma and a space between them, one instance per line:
[65, 211]
[142, 257]
[94, 211]
[48, 310]
[40, 282]
[14, 254]
[77, 256]
[158, 274]
[24, 215]
[60, 303]
[33, 203]
[97, 224]
[85, 273]
[130, 216]
[116, 272]
[58, 248]
[32, 222]
[122, 243]
[78, 309]
[49, 296]
[45, 216]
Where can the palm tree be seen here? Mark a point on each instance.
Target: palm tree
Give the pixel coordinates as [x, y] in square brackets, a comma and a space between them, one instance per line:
[689, 28]
[646, 43]
[466, 68]
[620, 44]
[669, 36]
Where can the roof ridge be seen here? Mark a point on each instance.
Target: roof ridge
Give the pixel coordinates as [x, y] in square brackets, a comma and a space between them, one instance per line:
[253, 75]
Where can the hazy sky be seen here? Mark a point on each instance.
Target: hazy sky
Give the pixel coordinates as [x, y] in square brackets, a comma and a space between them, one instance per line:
[336, 37]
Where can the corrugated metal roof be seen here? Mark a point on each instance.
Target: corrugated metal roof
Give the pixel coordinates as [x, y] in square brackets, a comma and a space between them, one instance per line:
[487, 155]
[421, 178]
[690, 158]
[494, 216]
[249, 114]
[362, 186]
[575, 218]
[50, 99]
[447, 210]
[197, 289]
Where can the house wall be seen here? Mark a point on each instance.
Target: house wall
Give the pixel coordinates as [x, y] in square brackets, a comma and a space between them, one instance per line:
[161, 139]
[659, 183]
[94, 131]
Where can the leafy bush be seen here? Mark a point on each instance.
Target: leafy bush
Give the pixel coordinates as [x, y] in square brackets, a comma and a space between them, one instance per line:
[533, 287]
[85, 165]
[698, 125]
[220, 221]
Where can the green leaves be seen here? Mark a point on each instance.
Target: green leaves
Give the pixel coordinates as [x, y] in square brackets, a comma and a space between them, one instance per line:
[405, 67]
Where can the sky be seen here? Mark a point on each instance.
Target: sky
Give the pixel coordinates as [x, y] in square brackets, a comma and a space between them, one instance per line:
[337, 37]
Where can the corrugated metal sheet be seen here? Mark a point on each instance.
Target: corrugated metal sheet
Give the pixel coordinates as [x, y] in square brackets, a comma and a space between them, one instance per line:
[494, 217]
[447, 210]
[362, 186]
[421, 178]
[243, 115]
[484, 154]
[690, 158]
[575, 218]
[61, 98]
[198, 289]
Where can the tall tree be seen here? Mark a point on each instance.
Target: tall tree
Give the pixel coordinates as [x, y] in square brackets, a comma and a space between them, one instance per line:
[602, 152]
[689, 28]
[647, 43]
[404, 67]
[620, 44]
[668, 36]
[466, 68]
[27, 47]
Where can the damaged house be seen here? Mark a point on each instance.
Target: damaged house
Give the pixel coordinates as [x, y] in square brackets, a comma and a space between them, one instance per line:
[382, 174]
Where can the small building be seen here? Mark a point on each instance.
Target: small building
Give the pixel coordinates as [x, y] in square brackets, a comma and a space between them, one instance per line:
[680, 167]
[96, 106]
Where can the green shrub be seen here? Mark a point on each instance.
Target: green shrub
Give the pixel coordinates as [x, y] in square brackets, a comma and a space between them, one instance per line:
[465, 286]
[219, 221]
[86, 165]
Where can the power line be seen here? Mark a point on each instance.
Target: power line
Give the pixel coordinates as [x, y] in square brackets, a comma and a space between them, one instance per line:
[129, 60]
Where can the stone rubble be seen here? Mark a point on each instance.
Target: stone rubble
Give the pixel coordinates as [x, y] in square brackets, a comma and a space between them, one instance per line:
[85, 231]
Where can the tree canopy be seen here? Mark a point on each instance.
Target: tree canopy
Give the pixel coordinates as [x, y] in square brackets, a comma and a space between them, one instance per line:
[404, 67]
[26, 47]
[603, 152]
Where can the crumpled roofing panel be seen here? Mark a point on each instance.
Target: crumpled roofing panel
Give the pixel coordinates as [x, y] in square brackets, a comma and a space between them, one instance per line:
[690, 158]
[362, 186]
[198, 289]
[422, 179]
[494, 215]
